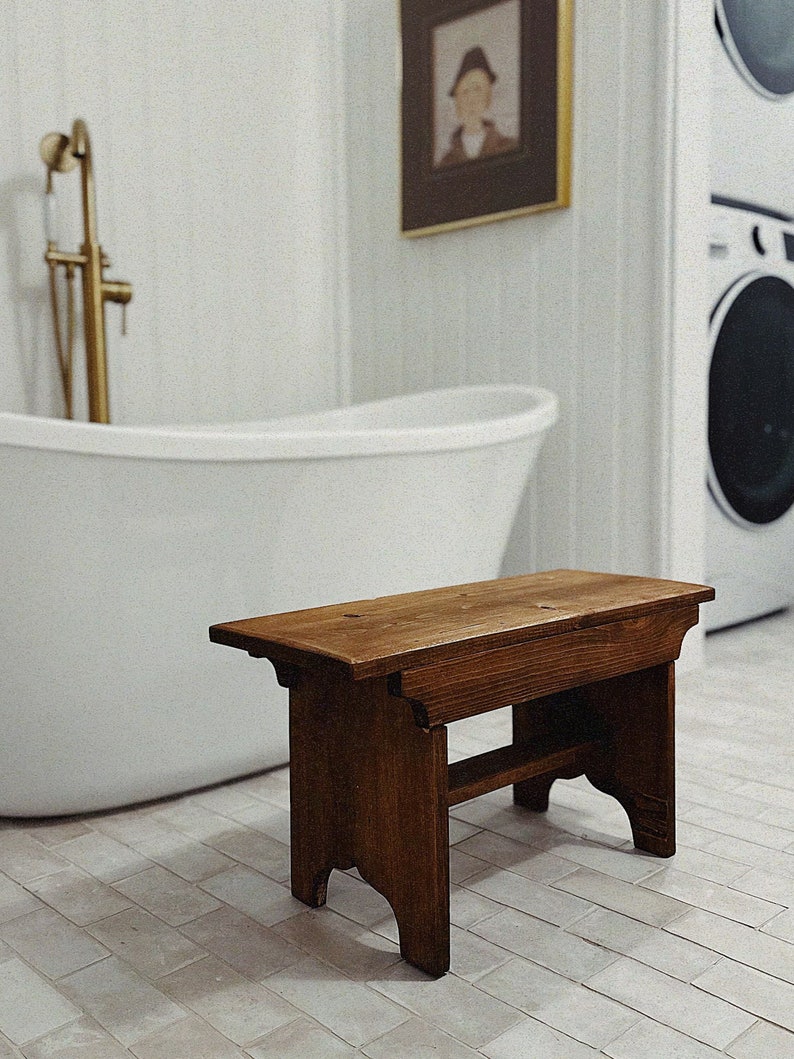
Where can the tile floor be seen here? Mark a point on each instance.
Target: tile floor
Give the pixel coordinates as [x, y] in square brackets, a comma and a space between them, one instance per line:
[168, 931]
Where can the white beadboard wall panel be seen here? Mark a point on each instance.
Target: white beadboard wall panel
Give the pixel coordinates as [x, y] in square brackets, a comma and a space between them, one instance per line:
[684, 415]
[569, 299]
[212, 127]
[10, 287]
[26, 379]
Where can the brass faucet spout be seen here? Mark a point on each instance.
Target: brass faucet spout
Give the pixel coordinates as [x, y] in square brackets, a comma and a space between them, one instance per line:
[80, 147]
[61, 154]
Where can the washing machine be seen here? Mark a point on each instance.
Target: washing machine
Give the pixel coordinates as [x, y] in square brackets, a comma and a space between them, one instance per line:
[750, 507]
[752, 129]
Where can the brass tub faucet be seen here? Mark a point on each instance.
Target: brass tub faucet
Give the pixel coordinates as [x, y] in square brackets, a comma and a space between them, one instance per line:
[62, 154]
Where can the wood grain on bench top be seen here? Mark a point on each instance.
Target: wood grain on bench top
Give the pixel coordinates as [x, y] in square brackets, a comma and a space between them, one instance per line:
[375, 637]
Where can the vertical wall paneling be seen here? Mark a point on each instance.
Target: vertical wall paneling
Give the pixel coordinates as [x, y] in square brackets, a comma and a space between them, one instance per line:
[683, 448]
[11, 303]
[569, 299]
[214, 132]
[339, 245]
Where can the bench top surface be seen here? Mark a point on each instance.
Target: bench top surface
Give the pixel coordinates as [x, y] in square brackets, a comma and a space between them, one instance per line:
[374, 637]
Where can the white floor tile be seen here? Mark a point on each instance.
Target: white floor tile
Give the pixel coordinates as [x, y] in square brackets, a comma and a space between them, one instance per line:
[121, 1000]
[83, 1039]
[472, 956]
[621, 863]
[348, 1009]
[650, 1040]
[763, 1041]
[467, 908]
[452, 1005]
[51, 943]
[419, 1040]
[672, 1003]
[189, 1037]
[252, 893]
[29, 1006]
[532, 1040]
[78, 895]
[240, 1010]
[766, 885]
[249, 947]
[632, 901]
[775, 796]
[782, 926]
[147, 943]
[300, 1040]
[103, 857]
[740, 943]
[14, 900]
[7, 1049]
[354, 950]
[166, 895]
[528, 896]
[559, 1003]
[256, 849]
[706, 866]
[545, 944]
[191, 861]
[739, 827]
[355, 899]
[672, 955]
[713, 897]
[752, 990]
[779, 862]
[23, 858]
[517, 857]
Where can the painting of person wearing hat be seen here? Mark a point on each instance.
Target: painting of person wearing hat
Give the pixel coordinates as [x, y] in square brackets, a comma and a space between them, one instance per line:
[476, 135]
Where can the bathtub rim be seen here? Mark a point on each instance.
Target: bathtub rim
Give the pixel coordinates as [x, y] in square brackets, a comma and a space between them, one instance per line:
[282, 438]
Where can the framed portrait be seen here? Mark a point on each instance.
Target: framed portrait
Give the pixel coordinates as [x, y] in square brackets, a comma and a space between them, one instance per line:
[486, 110]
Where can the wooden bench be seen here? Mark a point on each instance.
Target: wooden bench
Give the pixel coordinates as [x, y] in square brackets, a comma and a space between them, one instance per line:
[585, 660]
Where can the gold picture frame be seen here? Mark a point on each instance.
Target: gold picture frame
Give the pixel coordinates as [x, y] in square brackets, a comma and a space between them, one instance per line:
[486, 110]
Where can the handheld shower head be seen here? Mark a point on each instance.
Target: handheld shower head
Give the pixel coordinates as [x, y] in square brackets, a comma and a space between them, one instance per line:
[56, 153]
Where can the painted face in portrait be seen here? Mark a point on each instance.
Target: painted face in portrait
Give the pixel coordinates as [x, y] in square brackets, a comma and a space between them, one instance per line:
[473, 99]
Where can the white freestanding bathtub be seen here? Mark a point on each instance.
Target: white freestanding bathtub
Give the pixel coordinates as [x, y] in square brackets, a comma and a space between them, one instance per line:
[121, 545]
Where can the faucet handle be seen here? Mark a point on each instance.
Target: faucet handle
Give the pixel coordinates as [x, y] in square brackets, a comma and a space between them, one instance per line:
[116, 290]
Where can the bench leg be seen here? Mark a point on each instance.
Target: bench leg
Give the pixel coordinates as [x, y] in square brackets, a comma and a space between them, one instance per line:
[319, 838]
[633, 717]
[637, 765]
[369, 789]
[555, 717]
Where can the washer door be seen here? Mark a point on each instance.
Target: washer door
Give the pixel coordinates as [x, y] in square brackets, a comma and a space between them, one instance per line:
[751, 400]
[759, 37]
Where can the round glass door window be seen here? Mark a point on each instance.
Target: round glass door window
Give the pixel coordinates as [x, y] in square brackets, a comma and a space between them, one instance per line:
[751, 401]
[759, 37]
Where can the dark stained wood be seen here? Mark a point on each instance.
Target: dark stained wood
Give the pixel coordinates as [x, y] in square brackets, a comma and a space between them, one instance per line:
[560, 718]
[586, 661]
[378, 636]
[510, 764]
[637, 762]
[368, 789]
[450, 691]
